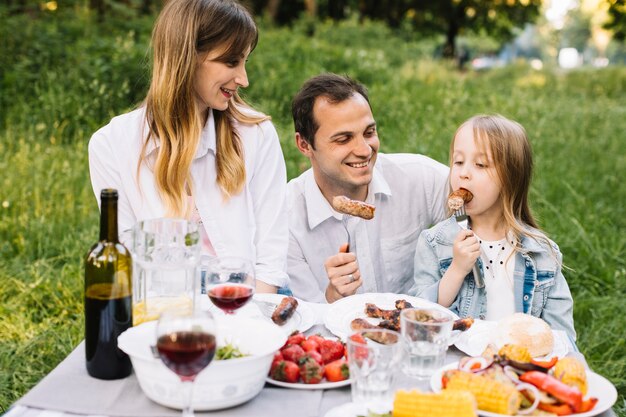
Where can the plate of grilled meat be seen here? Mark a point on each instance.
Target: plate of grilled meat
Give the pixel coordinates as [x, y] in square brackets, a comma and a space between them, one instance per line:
[378, 310]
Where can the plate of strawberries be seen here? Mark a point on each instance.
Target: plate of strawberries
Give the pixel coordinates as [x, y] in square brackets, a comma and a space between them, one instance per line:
[310, 362]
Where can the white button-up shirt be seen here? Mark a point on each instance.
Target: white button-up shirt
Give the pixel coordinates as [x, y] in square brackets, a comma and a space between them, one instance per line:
[250, 224]
[409, 192]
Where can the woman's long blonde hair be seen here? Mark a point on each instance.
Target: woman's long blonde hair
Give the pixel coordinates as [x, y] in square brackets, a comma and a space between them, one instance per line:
[184, 32]
[510, 150]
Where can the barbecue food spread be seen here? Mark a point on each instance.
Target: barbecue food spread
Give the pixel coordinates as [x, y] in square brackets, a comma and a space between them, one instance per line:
[459, 198]
[344, 205]
[390, 319]
[284, 310]
[507, 386]
[523, 329]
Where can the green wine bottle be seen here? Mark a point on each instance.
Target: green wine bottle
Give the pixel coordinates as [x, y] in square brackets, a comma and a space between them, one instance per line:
[108, 296]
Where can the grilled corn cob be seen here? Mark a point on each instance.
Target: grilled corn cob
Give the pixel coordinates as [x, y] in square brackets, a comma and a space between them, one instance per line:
[447, 403]
[572, 372]
[491, 395]
[516, 353]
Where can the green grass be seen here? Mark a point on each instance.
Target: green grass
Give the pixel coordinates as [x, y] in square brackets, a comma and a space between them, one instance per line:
[62, 78]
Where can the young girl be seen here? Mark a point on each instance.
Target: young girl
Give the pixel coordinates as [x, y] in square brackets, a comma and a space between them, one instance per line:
[490, 156]
[194, 149]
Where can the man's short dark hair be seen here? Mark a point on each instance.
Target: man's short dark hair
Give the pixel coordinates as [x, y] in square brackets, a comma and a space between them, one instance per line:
[334, 88]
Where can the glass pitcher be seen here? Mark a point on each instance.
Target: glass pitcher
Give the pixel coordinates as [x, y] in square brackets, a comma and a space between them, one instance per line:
[166, 253]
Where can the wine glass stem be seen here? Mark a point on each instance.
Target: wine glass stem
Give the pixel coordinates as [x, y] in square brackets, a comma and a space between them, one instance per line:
[188, 397]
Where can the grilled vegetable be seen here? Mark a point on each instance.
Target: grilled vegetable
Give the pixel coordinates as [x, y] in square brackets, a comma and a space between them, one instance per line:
[558, 409]
[447, 403]
[545, 364]
[554, 387]
[515, 352]
[571, 372]
[491, 395]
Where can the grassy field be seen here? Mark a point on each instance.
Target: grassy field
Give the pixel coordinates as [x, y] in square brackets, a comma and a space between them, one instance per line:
[62, 79]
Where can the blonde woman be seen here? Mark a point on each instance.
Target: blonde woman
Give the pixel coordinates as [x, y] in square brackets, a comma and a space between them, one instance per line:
[490, 156]
[194, 149]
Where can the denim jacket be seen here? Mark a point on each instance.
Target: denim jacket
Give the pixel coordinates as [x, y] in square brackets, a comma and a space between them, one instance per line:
[539, 286]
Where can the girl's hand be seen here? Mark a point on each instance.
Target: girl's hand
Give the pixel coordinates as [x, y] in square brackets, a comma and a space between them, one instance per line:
[465, 251]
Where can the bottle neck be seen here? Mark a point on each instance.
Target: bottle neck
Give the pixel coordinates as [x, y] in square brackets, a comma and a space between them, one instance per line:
[108, 220]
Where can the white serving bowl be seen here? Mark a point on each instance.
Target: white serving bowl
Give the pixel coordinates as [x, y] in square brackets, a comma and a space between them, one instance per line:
[222, 384]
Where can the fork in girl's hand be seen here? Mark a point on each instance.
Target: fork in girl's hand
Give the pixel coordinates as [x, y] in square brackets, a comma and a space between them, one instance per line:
[461, 218]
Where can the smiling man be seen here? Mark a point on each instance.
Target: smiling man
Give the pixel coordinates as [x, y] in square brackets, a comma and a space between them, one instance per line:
[336, 131]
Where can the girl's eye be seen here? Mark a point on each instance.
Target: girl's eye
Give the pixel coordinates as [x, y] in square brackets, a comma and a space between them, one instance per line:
[481, 165]
[458, 162]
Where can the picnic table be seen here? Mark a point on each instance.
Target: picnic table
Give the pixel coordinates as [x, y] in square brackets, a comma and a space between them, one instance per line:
[68, 391]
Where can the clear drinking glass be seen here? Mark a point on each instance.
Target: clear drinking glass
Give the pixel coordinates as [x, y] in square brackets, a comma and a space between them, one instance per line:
[229, 281]
[374, 356]
[426, 334]
[166, 253]
[186, 342]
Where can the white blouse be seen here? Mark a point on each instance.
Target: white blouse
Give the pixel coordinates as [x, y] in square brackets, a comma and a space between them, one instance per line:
[498, 268]
[251, 224]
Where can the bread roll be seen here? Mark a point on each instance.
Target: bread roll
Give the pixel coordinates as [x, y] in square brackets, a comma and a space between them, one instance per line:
[525, 330]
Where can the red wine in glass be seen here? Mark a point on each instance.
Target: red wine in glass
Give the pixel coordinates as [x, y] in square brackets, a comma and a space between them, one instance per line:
[186, 352]
[230, 297]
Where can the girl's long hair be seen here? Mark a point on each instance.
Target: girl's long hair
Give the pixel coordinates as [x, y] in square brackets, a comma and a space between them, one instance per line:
[184, 32]
[511, 152]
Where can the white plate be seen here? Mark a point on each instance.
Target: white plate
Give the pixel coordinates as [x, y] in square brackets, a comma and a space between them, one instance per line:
[302, 385]
[341, 313]
[474, 340]
[599, 387]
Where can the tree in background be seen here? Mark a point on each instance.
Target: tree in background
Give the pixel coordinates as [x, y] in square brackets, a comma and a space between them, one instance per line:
[496, 18]
[617, 19]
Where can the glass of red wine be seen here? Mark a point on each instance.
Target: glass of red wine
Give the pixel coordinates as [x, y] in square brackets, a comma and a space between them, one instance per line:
[230, 282]
[186, 343]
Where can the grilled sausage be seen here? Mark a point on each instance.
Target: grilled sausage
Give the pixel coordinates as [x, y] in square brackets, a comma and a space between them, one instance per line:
[343, 204]
[463, 324]
[284, 310]
[458, 198]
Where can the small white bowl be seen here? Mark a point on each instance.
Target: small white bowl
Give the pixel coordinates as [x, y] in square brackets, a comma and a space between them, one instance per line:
[222, 384]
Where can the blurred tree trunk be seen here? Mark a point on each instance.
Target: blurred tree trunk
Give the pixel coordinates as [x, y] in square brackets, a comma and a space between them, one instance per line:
[449, 47]
[98, 6]
[272, 9]
[311, 7]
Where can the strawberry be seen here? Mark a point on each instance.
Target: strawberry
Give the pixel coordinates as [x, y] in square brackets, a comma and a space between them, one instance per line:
[337, 371]
[316, 355]
[292, 353]
[331, 350]
[277, 357]
[311, 372]
[360, 352]
[316, 338]
[295, 338]
[286, 371]
[310, 345]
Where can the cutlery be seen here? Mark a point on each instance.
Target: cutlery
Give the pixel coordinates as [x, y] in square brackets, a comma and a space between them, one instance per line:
[461, 218]
[344, 221]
